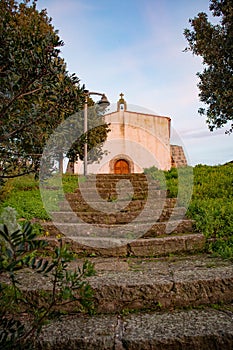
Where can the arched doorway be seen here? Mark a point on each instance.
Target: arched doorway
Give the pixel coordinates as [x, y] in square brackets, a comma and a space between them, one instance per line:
[121, 166]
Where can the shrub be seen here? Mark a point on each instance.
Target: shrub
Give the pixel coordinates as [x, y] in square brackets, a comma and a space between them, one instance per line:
[21, 249]
[211, 203]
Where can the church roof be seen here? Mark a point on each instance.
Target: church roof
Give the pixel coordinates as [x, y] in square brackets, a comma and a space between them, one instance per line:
[124, 107]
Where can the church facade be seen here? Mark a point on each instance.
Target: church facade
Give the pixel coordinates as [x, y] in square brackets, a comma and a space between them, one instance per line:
[136, 141]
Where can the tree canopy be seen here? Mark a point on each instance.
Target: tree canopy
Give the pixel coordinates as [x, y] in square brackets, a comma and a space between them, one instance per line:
[37, 92]
[214, 43]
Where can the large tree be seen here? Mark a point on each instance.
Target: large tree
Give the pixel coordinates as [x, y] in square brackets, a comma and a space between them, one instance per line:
[214, 43]
[36, 91]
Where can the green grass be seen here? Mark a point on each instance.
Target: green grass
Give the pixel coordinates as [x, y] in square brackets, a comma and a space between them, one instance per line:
[213, 216]
[70, 183]
[27, 203]
[23, 194]
[211, 204]
[177, 182]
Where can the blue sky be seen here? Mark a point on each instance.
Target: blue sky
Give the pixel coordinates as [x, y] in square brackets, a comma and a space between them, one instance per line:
[136, 47]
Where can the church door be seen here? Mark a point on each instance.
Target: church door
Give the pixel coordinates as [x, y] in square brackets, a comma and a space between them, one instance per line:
[121, 167]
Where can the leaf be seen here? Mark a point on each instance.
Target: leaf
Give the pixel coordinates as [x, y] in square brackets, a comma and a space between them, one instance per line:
[50, 268]
[44, 266]
[17, 237]
[5, 233]
[213, 42]
[39, 263]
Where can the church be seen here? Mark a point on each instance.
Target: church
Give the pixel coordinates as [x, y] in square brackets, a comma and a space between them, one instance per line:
[136, 141]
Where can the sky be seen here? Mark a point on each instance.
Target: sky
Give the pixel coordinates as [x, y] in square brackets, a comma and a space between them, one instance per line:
[136, 47]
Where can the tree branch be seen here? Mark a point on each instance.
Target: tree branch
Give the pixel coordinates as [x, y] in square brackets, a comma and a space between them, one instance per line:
[30, 92]
[17, 175]
[20, 94]
[9, 135]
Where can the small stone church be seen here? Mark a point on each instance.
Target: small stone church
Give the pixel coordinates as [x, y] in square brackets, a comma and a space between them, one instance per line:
[136, 141]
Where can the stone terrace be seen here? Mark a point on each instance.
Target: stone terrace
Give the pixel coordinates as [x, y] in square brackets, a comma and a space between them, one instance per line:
[155, 289]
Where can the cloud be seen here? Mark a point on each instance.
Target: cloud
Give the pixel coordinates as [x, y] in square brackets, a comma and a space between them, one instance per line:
[202, 133]
[139, 52]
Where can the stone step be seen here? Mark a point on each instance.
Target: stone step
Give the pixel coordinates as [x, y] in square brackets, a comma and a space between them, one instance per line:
[172, 283]
[151, 284]
[121, 247]
[116, 177]
[139, 298]
[133, 229]
[92, 195]
[112, 179]
[79, 204]
[204, 329]
[124, 216]
[121, 183]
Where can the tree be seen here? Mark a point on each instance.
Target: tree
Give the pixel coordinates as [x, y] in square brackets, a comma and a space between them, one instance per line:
[95, 137]
[214, 43]
[37, 92]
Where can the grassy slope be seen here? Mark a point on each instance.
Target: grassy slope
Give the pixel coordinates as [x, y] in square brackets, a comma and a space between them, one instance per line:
[23, 194]
[210, 206]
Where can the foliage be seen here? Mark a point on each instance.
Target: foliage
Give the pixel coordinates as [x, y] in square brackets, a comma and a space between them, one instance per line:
[28, 204]
[222, 247]
[211, 203]
[8, 218]
[95, 136]
[70, 183]
[213, 42]
[170, 179]
[213, 181]
[37, 92]
[211, 206]
[24, 196]
[213, 216]
[157, 174]
[20, 250]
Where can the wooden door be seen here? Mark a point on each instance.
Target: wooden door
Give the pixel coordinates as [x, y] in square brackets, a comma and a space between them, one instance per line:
[121, 167]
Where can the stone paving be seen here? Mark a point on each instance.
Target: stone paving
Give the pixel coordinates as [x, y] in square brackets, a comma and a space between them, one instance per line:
[157, 290]
[205, 329]
[151, 284]
[174, 302]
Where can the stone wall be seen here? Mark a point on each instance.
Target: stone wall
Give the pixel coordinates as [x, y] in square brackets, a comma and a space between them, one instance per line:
[143, 138]
[178, 158]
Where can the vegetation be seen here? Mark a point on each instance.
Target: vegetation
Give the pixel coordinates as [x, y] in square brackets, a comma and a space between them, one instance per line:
[213, 42]
[177, 182]
[210, 205]
[23, 194]
[37, 92]
[21, 249]
[211, 202]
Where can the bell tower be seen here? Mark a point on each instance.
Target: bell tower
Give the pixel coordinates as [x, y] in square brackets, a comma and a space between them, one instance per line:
[121, 104]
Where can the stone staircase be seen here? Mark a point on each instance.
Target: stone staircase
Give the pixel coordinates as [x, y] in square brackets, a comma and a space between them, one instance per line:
[122, 215]
[153, 289]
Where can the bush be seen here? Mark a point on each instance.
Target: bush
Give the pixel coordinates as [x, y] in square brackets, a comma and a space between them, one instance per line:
[21, 249]
[213, 217]
[23, 194]
[211, 203]
[223, 248]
